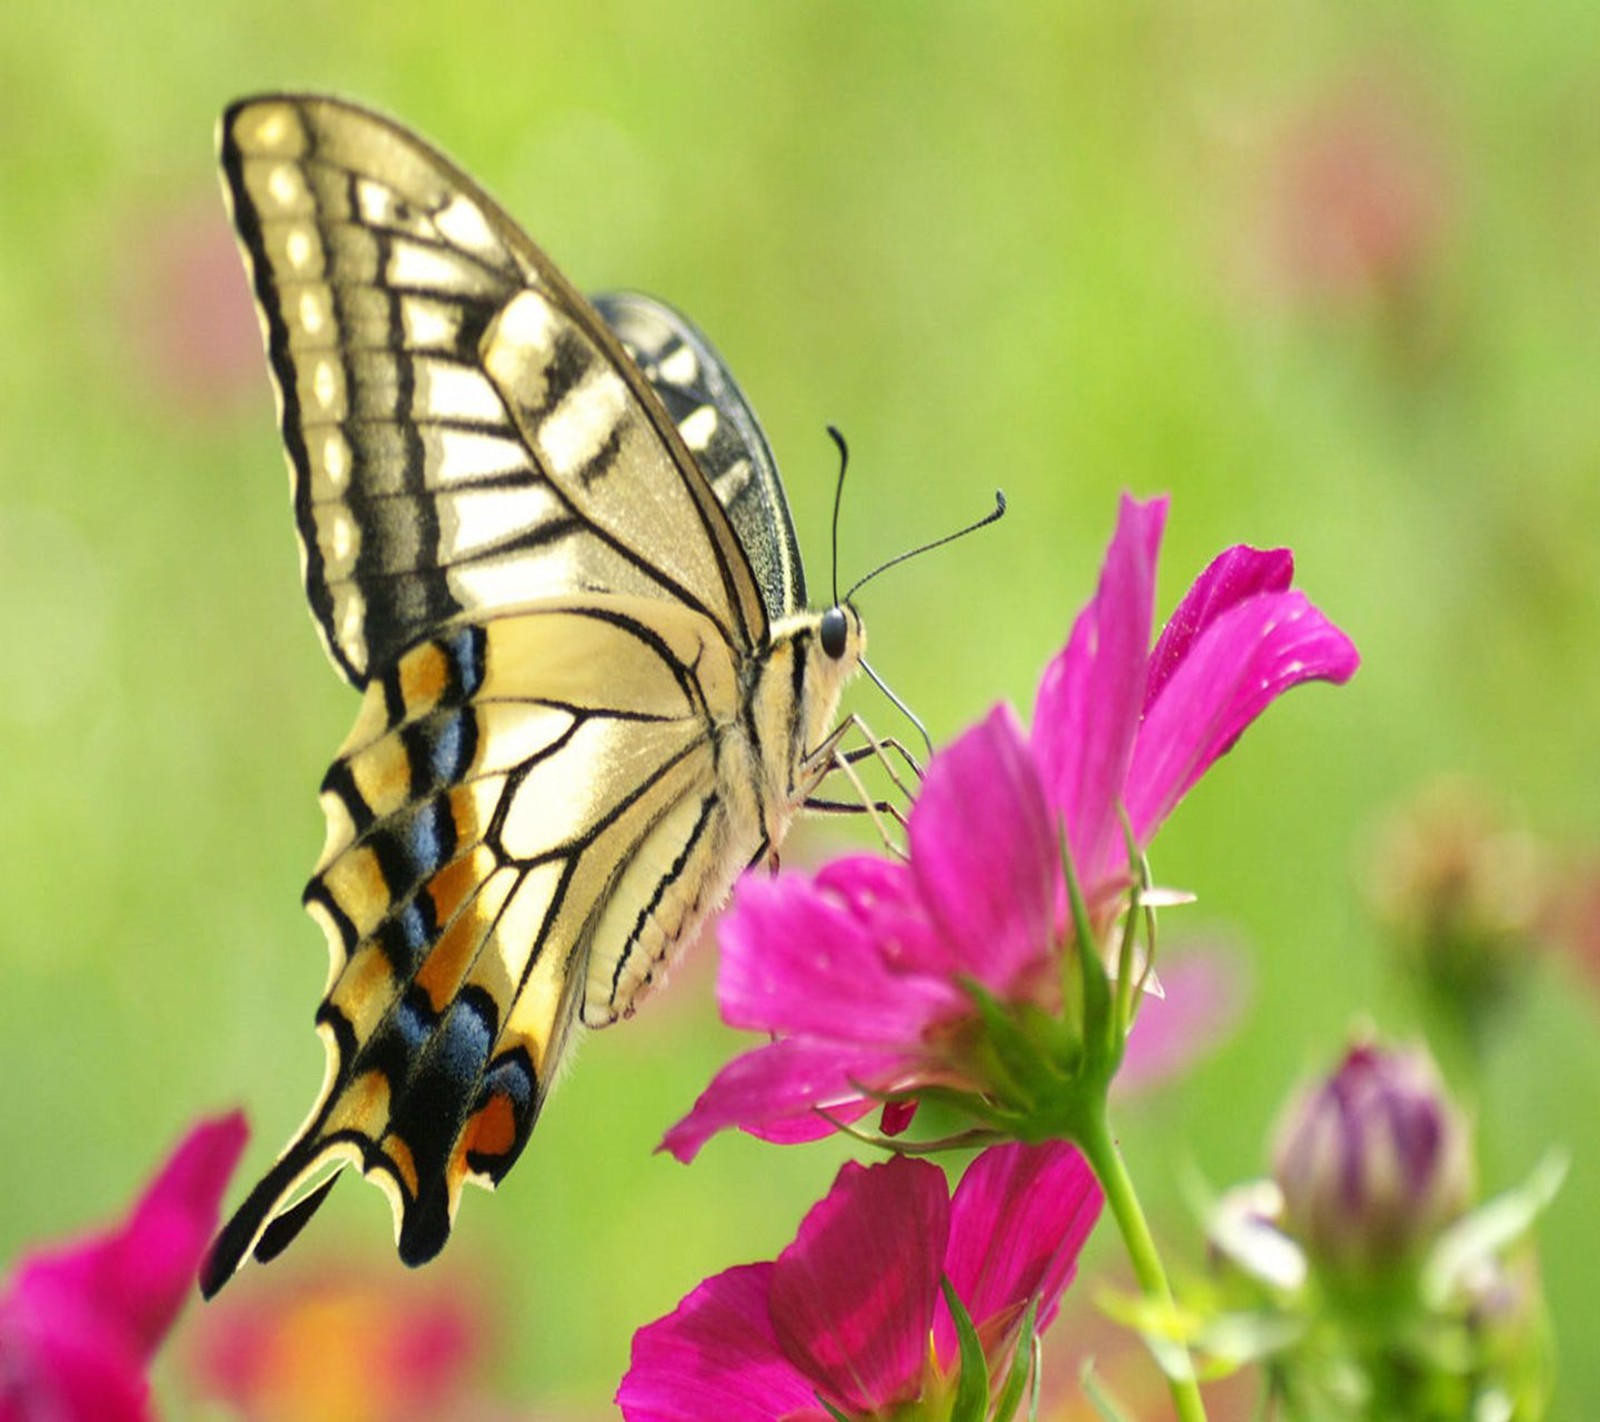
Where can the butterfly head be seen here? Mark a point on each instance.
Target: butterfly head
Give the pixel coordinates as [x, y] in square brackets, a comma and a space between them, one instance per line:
[840, 633]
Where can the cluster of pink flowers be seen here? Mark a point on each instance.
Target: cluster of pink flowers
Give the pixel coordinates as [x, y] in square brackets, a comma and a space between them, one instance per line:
[878, 982]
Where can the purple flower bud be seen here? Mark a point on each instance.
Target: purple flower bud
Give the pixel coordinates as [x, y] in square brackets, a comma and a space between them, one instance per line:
[1372, 1162]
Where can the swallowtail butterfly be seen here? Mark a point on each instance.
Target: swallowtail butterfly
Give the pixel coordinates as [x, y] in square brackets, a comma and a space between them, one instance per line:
[546, 540]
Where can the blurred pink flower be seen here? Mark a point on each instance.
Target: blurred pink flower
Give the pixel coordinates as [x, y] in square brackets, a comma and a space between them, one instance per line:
[1360, 196]
[1204, 989]
[862, 971]
[852, 1313]
[186, 308]
[79, 1323]
[343, 1346]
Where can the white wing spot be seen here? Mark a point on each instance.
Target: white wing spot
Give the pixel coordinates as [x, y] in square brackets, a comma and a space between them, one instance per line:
[272, 129]
[518, 348]
[336, 460]
[313, 313]
[457, 455]
[344, 536]
[578, 428]
[429, 324]
[325, 384]
[375, 202]
[462, 223]
[419, 267]
[352, 635]
[681, 367]
[285, 186]
[698, 428]
[298, 247]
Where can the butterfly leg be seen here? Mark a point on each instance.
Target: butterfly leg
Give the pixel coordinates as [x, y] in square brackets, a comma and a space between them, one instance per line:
[829, 757]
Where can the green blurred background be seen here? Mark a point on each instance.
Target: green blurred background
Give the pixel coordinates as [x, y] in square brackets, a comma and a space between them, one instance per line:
[1329, 274]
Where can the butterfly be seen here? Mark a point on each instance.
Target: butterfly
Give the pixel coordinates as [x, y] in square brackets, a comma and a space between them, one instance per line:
[546, 539]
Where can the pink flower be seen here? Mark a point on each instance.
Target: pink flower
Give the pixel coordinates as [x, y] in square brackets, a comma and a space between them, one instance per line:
[865, 974]
[79, 1323]
[851, 1314]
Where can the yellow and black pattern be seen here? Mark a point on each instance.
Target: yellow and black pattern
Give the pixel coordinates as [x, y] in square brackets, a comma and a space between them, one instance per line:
[721, 431]
[492, 818]
[463, 430]
[567, 582]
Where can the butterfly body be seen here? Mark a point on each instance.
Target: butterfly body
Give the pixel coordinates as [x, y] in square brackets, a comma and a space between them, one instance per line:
[566, 582]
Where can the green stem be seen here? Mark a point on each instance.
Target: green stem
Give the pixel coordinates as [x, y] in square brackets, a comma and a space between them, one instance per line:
[1094, 1138]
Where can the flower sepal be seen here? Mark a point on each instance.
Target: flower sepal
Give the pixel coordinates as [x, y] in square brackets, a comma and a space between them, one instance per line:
[1024, 1365]
[1472, 1248]
[971, 1401]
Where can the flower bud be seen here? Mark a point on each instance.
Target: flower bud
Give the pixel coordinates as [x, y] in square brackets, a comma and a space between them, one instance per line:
[1460, 896]
[1372, 1162]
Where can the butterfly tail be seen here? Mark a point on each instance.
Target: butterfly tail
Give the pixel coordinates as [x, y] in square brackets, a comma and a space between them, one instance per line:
[264, 1225]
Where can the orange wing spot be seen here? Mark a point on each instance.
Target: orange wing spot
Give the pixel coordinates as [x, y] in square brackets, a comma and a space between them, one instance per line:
[493, 1131]
[363, 1106]
[424, 674]
[452, 956]
[405, 1165]
[357, 885]
[453, 885]
[366, 987]
[448, 960]
[382, 773]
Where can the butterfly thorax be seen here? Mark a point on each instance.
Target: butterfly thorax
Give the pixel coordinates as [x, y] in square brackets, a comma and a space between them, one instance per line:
[792, 706]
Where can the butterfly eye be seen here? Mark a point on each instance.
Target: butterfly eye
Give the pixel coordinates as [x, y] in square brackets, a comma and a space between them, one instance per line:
[835, 632]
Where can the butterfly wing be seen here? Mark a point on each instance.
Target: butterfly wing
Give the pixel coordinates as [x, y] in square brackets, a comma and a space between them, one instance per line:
[527, 815]
[507, 542]
[463, 431]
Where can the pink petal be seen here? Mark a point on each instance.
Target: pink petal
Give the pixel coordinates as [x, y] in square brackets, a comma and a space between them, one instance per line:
[852, 1298]
[1018, 1221]
[63, 1366]
[775, 1091]
[79, 1321]
[795, 960]
[884, 897]
[716, 1355]
[140, 1274]
[1234, 574]
[1240, 665]
[1087, 710]
[1205, 995]
[985, 854]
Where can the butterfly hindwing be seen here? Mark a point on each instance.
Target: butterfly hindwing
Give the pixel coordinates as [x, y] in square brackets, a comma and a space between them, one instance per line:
[525, 816]
[722, 432]
[464, 432]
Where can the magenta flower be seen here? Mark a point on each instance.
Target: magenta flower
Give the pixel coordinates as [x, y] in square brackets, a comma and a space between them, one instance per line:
[851, 1315]
[872, 977]
[79, 1323]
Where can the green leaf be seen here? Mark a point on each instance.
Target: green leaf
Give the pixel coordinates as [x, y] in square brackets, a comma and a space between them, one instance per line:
[972, 1387]
[830, 1409]
[1017, 1378]
[1489, 1230]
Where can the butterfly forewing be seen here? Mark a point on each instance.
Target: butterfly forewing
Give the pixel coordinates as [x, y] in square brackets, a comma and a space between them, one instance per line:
[463, 431]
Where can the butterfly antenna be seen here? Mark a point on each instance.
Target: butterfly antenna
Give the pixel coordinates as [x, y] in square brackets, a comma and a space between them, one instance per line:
[994, 514]
[904, 710]
[838, 498]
